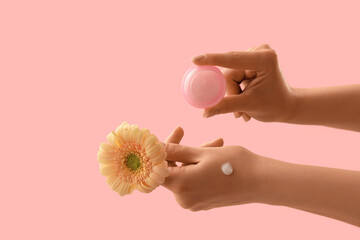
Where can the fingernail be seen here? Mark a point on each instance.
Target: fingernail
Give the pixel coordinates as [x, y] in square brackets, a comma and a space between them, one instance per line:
[246, 119]
[198, 58]
[210, 114]
[207, 114]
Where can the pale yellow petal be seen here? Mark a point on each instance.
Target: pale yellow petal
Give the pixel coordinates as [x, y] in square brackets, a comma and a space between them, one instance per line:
[119, 187]
[118, 140]
[105, 157]
[108, 170]
[157, 178]
[122, 125]
[114, 182]
[123, 189]
[151, 183]
[107, 147]
[158, 159]
[162, 169]
[153, 150]
[106, 154]
[106, 161]
[144, 134]
[128, 134]
[102, 152]
[111, 139]
[131, 189]
[150, 141]
[125, 131]
[135, 134]
[125, 134]
[143, 188]
[110, 180]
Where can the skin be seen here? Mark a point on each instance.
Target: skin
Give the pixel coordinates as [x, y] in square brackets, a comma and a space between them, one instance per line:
[256, 89]
[198, 184]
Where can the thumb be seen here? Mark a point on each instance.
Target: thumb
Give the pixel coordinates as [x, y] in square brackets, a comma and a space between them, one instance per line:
[232, 103]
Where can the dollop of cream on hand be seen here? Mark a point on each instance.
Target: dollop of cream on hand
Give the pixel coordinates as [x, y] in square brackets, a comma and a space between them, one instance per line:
[227, 168]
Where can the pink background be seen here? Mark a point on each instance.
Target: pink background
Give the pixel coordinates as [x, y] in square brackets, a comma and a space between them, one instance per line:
[71, 71]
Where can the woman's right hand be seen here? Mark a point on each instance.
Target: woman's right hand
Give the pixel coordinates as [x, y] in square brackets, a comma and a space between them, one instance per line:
[267, 97]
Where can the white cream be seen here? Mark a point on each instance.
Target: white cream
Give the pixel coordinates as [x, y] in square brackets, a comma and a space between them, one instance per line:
[227, 168]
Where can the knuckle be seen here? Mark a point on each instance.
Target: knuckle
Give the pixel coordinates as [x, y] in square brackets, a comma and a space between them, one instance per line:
[265, 45]
[194, 209]
[268, 58]
[271, 54]
[198, 207]
[224, 107]
[186, 204]
[238, 150]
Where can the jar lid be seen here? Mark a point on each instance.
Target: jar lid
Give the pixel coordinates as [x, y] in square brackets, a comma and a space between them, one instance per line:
[203, 86]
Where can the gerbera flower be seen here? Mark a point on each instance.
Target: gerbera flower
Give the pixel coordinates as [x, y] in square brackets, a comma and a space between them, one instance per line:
[133, 159]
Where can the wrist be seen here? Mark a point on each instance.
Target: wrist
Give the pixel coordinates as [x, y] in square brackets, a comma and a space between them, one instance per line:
[268, 181]
[250, 183]
[259, 178]
[294, 103]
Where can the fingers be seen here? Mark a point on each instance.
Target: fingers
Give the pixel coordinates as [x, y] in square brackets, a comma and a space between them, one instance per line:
[187, 156]
[175, 137]
[233, 103]
[250, 59]
[238, 114]
[246, 117]
[243, 85]
[236, 82]
[215, 143]
[235, 60]
[262, 46]
[250, 74]
[233, 79]
[182, 153]
[251, 49]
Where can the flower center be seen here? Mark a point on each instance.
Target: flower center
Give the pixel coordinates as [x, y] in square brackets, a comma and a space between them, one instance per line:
[132, 162]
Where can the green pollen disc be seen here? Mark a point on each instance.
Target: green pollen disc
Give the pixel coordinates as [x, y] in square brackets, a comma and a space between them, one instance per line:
[132, 162]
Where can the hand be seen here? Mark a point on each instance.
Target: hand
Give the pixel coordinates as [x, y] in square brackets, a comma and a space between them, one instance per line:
[199, 183]
[254, 84]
